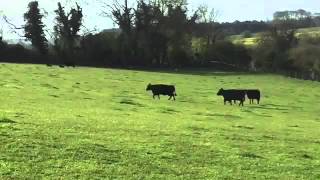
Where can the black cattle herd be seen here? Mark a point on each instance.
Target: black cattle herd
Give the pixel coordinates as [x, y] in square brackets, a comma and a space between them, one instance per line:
[230, 95]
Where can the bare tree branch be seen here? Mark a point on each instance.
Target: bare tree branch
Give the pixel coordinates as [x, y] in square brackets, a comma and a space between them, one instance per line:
[5, 18]
[13, 27]
[87, 31]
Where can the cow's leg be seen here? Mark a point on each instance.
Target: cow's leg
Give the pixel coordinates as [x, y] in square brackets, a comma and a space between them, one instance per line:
[170, 97]
[225, 102]
[174, 98]
[158, 96]
[154, 96]
[258, 100]
[231, 102]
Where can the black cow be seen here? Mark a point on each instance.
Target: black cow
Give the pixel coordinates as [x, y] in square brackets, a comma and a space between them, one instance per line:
[161, 89]
[232, 95]
[253, 94]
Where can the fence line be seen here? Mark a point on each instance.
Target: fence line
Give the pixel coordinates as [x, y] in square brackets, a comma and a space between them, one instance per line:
[312, 76]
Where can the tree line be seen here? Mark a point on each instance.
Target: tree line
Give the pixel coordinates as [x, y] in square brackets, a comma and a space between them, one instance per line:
[162, 33]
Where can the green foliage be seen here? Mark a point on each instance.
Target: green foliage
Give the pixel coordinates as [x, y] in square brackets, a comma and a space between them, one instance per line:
[34, 28]
[306, 56]
[123, 16]
[229, 53]
[151, 41]
[288, 15]
[88, 123]
[178, 57]
[272, 52]
[66, 30]
[99, 49]
[153, 33]
[246, 34]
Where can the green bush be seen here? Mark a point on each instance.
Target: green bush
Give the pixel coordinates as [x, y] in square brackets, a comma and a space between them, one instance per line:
[246, 34]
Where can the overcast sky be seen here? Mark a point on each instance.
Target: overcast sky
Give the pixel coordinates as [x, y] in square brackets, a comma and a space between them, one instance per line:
[229, 10]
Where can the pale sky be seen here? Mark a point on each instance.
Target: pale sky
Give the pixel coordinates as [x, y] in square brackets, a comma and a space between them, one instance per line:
[229, 10]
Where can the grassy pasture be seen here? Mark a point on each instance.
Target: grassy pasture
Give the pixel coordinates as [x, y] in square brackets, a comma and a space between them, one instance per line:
[315, 32]
[86, 123]
[252, 41]
[248, 42]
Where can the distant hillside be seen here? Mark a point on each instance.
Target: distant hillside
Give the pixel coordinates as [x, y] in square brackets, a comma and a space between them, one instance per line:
[254, 38]
[22, 42]
[113, 30]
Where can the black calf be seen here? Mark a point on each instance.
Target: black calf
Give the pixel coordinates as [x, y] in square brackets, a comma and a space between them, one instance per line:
[253, 94]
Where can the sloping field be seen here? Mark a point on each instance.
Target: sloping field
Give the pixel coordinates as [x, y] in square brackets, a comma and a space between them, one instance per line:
[86, 123]
[252, 41]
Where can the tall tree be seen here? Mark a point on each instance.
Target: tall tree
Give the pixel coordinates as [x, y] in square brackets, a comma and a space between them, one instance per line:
[207, 24]
[123, 16]
[67, 28]
[34, 28]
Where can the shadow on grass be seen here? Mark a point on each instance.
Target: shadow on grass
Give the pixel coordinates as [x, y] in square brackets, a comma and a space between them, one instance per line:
[198, 129]
[88, 98]
[49, 86]
[250, 155]
[20, 115]
[54, 96]
[131, 103]
[277, 107]
[271, 108]
[257, 114]
[96, 151]
[169, 111]
[244, 127]
[306, 156]
[227, 116]
[6, 121]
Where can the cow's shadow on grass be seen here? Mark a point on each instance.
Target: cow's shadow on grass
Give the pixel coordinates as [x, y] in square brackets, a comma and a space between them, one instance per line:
[220, 116]
[257, 114]
[270, 108]
[275, 107]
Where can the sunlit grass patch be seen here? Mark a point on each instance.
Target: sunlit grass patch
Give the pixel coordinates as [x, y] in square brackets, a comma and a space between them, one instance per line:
[86, 123]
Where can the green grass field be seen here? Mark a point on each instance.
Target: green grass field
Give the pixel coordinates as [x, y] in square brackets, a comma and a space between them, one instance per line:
[248, 42]
[86, 123]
